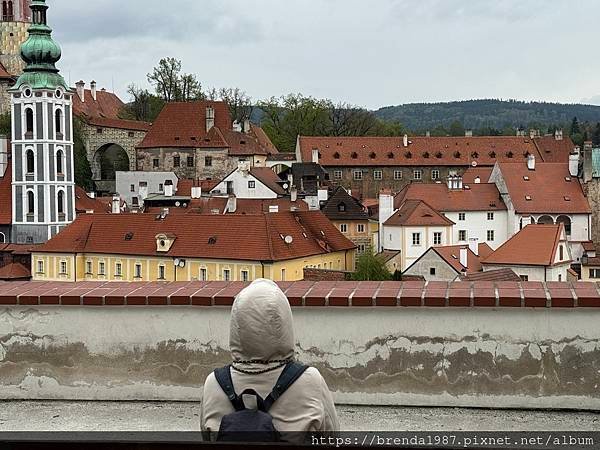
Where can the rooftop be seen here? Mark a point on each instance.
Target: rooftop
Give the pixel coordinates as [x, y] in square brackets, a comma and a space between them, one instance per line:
[343, 206]
[417, 213]
[451, 254]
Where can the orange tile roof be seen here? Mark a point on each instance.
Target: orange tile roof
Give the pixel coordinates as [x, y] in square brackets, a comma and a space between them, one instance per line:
[421, 151]
[14, 271]
[230, 237]
[269, 178]
[84, 203]
[553, 150]
[492, 275]
[6, 197]
[479, 197]
[550, 187]
[534, 245]
[183, 124]
[4, 73]
[417, 213]
[185, 185]
[473, 172]
[451, 254]
[264, 140]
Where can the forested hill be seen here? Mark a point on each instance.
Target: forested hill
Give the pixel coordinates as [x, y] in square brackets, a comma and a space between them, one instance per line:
[477, 114]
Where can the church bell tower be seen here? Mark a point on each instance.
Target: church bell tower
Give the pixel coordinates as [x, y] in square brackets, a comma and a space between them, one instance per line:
[43, 188]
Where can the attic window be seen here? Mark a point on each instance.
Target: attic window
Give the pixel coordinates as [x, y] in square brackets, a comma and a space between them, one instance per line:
[408, 155]
[439, 155]
[457, 155]
[526, 178]
[527, 154]
[567, 198]
[193, 138]
[373, 155]
[528, 198]
[176, 138]
[568, 179]
[342, 207]
[336, 155]
[129, 236]
[426, 155]
[212, 240]
[390, 155]
[510, 154]
[474, 155]
[492, 154]
[354, 155]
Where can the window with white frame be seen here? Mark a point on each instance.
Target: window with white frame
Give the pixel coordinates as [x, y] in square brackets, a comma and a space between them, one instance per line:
[40, 266]
[118, 269]
[462, 216]
[203, 274]
[358, 175]
[63, 268]
[89, 268]
[362, 248]
[245, 275]
[226, 275]
[437, 238]
[462, 235]
[435, 175]
[138, 270]
[417, 174]
[490, 216]
[491, 235]
[397, 174]
[251, 184]
[416, 239]
[101, 268]
[337, 174]
[344, 227]
[161, 272]
[360, 228]
[377, 175]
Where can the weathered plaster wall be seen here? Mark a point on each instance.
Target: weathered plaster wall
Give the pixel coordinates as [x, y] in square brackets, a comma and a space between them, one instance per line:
[401, 356]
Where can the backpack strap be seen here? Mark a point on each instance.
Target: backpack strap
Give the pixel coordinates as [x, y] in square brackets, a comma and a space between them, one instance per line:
[223, 377]
[291, 373]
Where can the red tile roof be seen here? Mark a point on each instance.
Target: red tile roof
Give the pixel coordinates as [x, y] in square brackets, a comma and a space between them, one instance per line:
[554, 150]
[269, 178]
[4, 73]
[184, 186]
[6, 197]
[14, 271]
[256, 142]
[473, 172]
[264, 140]
[492, 275]
[104, 111]
[184, 125]
[417, 213]
[422, 151]
[231, 237]
[478, 197]
[84, 203]
[257, 206]
[451, 254]
[534, 245]
[550, 187]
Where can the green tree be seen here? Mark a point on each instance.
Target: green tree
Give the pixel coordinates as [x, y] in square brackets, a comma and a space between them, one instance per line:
[143, 105]
[5, 124]
[596, 134]
[371, 267]
[575, 128]
[173, 86]
[83, 171]
[457, 128]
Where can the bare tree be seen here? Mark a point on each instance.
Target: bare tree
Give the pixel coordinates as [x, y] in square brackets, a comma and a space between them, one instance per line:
[165, 78]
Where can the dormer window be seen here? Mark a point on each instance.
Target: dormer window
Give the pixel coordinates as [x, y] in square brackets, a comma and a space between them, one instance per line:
[336, 155]
[164, 242]
[342, 207]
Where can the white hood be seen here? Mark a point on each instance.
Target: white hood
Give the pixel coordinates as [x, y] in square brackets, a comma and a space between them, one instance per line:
[261, 330]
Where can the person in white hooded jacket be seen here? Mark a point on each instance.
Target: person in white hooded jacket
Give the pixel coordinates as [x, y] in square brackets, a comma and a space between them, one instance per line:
[262, 342]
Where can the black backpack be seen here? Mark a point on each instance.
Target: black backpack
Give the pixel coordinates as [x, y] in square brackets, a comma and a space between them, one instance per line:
[253, 425]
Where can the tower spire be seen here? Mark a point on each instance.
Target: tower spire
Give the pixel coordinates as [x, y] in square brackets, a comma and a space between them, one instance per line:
[40, 53]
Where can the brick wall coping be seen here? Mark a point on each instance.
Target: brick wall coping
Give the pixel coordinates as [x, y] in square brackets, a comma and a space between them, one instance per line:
[308, 293]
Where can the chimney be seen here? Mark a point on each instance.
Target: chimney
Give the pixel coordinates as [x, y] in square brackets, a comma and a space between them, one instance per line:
[405, 140]
[526, 220]
[246, 128]
[464, 255]
[116, 204]
[273, 208]
[468, 133]
[168, 190]
[294, 194]
[474, 246]
[164, 213]
[231, 207]
[91, 194]
[323, 195]
[210, 118]
[237, 126]
[558, 135]
[3, 155]
[574, 164]
[588, 149]
[243, 166]
[315, 155]
[477, 179]
[80, 85]
[428, 134]
[196, 192]
[531, 162]
[93, 88]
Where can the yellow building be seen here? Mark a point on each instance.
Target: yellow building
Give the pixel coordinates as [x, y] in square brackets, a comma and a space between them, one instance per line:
[143, 247]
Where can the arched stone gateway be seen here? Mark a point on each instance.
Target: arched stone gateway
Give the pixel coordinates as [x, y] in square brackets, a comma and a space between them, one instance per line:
[108, 160]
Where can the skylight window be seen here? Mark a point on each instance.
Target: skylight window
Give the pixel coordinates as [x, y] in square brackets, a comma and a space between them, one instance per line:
[528, 198]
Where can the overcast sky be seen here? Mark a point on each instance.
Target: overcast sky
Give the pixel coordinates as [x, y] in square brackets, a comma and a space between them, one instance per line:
[367, 52]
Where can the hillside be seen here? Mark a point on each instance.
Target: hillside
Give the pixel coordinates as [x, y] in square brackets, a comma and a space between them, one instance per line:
[476, 114]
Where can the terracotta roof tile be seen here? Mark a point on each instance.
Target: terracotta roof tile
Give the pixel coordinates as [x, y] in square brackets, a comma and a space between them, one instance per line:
[269, 178]
[550, 187]
[451, 254]
[554, 150]
[183, 125]
[492, 275]
[234, 237]
[84, 203]
[472, 173]
[421, 151]
[14, 271]
[478, 197]
[417, 213]
[534, 245]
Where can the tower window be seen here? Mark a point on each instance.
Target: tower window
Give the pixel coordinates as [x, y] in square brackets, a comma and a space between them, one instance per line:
[30, 161]
[30, 202]
[59, 162]
[29, 121]
[58, 120]
[61, 203]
